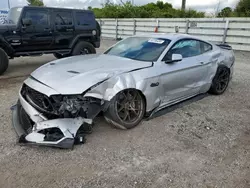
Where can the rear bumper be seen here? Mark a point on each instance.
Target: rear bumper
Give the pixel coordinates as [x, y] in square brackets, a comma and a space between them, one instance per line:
[38, 133]
[97, 44]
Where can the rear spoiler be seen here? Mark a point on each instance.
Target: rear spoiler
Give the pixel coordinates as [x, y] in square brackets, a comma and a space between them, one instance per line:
[225, 46]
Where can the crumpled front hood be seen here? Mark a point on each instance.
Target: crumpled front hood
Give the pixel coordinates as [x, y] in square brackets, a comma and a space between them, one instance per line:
[74, 75]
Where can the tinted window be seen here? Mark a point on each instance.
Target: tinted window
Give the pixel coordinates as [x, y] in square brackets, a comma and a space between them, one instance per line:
[187, 48]
[63, 18]
[38, 17]
[85, 18]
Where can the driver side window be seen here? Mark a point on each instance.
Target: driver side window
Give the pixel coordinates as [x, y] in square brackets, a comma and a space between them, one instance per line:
[186, 47]
[38, 17]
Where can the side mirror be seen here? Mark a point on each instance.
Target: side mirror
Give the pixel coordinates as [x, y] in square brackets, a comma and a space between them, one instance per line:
[175, 58]
[26, 21]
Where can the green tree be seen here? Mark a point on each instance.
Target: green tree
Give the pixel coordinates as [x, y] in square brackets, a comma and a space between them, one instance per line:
[226, 12]
[35, 3]
[150, 10]
[243, 8]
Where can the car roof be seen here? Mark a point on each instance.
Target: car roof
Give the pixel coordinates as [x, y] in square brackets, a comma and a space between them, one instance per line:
[169, 36]
[57, 8]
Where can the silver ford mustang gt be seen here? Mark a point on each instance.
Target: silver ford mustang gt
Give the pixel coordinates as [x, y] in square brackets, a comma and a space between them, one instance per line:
[135, 78]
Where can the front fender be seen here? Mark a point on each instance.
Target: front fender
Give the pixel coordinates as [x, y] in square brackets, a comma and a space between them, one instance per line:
[6, 46]
[108, 89]
[84, 37]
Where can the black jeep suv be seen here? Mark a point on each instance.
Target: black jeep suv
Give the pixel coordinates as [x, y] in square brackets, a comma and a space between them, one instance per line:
[42, 30]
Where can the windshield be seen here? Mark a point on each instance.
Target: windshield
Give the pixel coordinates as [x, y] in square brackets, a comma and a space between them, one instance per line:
[13, 15]
[139, 48]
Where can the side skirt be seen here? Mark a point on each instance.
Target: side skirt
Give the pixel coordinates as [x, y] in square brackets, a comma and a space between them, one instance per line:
[33, 53]
[174, 105]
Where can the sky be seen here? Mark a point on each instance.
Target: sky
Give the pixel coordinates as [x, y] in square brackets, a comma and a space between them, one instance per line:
[208, 6]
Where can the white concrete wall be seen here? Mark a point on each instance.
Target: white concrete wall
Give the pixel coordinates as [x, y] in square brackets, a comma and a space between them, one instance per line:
[234, 31]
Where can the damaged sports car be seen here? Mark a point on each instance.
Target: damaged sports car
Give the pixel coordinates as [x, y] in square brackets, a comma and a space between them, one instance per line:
[133, 79]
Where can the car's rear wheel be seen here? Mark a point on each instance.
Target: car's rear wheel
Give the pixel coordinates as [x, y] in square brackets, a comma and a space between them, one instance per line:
[220, 81]
[126, 109]
[83, 48]
[4, 61]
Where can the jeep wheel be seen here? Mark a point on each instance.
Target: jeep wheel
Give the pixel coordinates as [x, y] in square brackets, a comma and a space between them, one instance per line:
[83, 48]
[58, 56]
[4, 61]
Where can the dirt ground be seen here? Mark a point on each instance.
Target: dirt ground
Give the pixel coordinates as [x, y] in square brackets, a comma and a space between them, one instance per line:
[203, 143]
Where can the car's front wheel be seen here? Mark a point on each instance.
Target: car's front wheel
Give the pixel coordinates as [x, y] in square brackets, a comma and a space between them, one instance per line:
[220, 81]
[126, 109]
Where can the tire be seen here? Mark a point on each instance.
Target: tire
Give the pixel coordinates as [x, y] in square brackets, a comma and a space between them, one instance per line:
[83, 48]
[220, 81]
[58, 56]
[4, 61]
[126, 109]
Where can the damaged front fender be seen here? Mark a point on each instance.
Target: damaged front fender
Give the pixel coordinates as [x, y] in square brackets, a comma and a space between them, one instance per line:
[109, 88]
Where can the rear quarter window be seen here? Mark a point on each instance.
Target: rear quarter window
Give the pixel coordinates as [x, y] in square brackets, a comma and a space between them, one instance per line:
[85, 19]
[206, 47]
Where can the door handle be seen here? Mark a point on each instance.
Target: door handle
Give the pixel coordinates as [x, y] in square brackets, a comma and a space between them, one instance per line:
[47, 29]
[202, 63]
[69, 29]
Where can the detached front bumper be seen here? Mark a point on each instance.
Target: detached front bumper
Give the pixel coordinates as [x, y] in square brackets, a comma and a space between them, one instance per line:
[32, 128]
[232, 71]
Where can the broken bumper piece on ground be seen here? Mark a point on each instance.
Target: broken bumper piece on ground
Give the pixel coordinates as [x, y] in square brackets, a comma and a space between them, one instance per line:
[32, 128]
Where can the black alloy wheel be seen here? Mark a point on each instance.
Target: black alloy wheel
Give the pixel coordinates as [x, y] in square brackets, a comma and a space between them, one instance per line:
[220, 81]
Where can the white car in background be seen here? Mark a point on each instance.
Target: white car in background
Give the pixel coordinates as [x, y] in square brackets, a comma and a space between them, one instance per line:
[136, 77]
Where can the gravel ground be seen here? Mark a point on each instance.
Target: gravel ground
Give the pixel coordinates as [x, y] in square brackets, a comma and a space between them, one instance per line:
[204, 143]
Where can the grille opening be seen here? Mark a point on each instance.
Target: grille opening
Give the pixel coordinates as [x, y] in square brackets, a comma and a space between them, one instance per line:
[38, 100]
